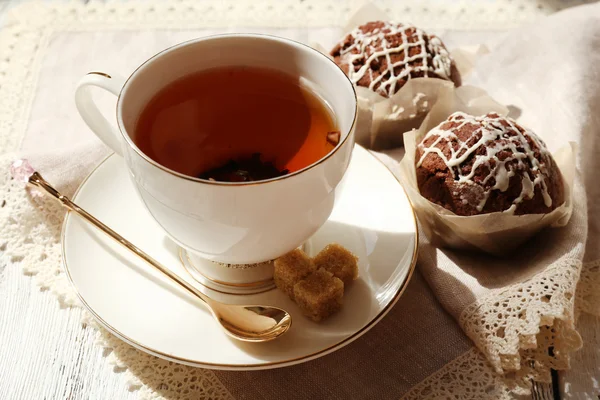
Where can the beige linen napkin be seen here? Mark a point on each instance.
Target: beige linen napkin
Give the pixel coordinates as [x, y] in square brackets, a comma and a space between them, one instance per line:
[519, 310]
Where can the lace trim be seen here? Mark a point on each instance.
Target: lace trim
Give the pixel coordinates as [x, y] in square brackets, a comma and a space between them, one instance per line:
[588, 292]
[468, 376]
[20, 58]
[182, 14]
[155, 378]
[516, 327]
[31, 230]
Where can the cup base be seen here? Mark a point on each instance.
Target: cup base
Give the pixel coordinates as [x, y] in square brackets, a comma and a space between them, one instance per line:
[238, 279]
[229, 278]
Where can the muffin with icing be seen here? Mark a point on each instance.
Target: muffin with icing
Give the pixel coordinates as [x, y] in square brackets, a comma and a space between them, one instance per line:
[383, 56]
[477, 165]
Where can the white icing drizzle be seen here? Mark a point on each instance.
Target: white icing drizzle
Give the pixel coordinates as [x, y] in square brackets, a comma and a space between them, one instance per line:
[375, 45]
[494, 137]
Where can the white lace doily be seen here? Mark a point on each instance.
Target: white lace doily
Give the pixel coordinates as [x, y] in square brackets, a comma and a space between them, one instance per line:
[30, 230]
[516, 326]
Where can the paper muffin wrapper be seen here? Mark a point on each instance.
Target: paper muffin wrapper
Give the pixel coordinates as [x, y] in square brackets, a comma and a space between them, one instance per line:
[381, 120]
[390, 117]
[495, 233]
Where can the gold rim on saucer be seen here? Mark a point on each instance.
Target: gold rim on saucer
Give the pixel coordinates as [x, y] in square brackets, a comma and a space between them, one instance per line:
[238, 367]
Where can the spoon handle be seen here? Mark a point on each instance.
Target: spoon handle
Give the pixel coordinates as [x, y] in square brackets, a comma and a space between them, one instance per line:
[36, 180]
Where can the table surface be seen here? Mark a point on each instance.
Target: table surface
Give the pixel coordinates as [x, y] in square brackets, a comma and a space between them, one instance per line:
[46, 353]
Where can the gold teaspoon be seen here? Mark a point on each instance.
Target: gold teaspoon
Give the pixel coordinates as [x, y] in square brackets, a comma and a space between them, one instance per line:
[249, 323]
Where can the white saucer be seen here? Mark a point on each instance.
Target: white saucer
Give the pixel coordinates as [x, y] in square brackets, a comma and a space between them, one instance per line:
[373, 218]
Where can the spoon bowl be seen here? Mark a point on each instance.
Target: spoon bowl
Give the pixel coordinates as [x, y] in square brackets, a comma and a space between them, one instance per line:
[252, 323]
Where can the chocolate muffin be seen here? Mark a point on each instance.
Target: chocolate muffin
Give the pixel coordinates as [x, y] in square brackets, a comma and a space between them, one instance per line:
[477, 165]
[383, 56]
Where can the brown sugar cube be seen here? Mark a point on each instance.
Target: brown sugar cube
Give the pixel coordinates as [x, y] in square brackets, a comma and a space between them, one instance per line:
[290, 269]
[339, 261]
[319, 295]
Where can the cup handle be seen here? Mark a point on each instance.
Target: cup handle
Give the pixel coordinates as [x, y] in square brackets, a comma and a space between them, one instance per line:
[89, 111]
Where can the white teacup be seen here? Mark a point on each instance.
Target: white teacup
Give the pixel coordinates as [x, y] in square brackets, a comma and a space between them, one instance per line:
[233, 223]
